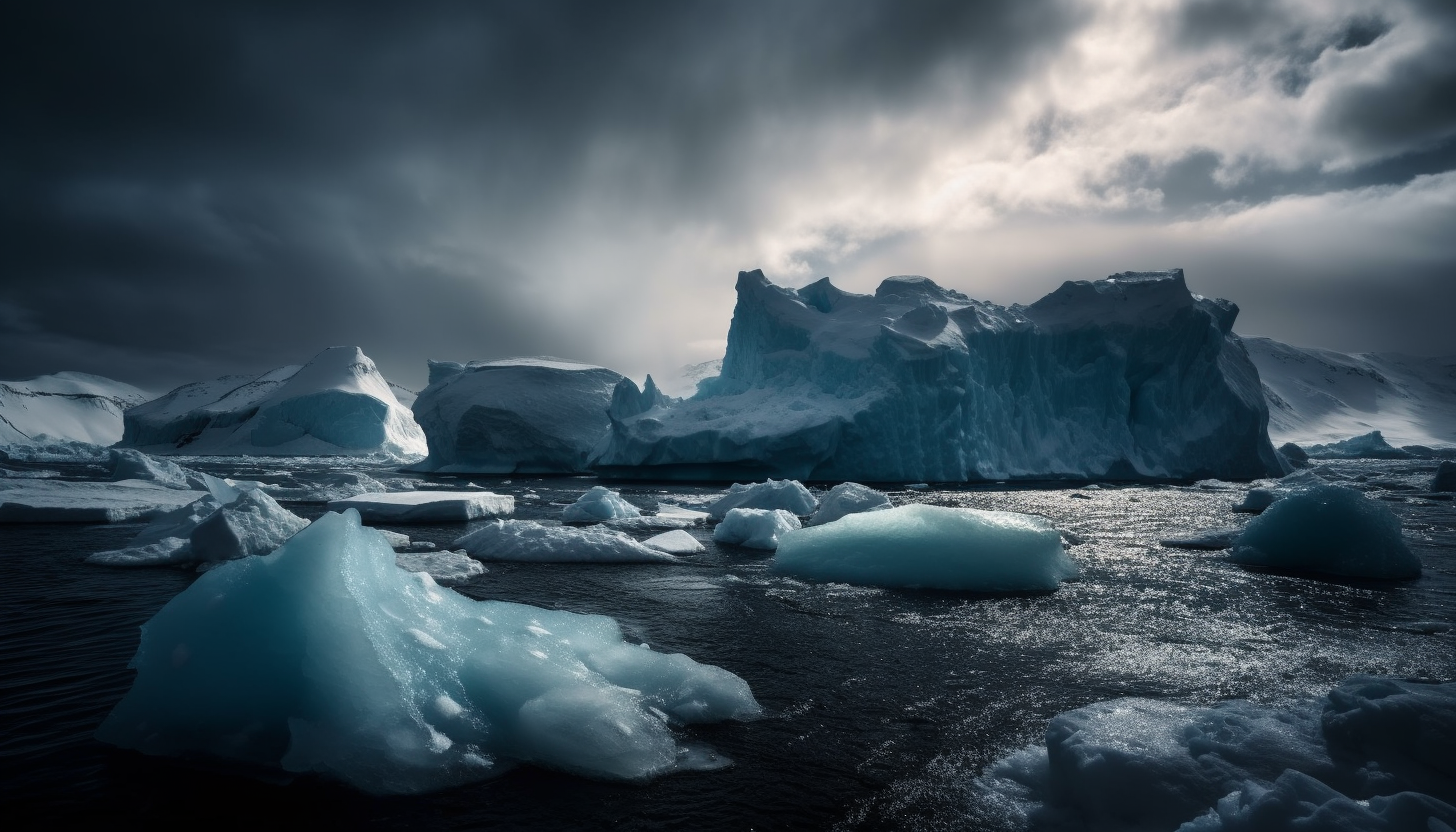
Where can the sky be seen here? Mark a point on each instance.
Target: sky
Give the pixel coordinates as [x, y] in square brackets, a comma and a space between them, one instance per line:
[194, 189]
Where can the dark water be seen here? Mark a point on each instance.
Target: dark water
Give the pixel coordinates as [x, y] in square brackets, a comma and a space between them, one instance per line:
[881, 706]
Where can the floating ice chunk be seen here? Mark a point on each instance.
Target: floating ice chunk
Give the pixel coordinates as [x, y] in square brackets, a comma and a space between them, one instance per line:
[598, 504]
[252, 524]
[445, 567]
[755, 528]
[523, 540]
[675, 542]
[1445, 477]
[209, 531]
[789, 495]
[931, 547]
[1209, 539]
[311, 660]
[1330, 530]
[58, 501]
[1142, 764]
[1256, 501]
[394, 539]
[129, 464]
[1295, 454]
[427, 506]
[848, 498]
[335, 485]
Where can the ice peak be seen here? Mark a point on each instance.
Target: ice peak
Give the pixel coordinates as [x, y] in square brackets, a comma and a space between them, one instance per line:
[909, 287]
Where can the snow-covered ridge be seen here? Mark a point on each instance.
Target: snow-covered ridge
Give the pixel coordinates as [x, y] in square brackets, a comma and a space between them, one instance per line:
[337, 404]
[66, 406]
[1322, 396]
[1132, 377]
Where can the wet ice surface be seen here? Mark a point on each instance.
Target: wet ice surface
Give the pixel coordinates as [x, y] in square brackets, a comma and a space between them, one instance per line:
[883, 705]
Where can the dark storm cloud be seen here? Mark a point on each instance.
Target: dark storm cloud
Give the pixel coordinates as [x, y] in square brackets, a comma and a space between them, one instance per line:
[243, 184]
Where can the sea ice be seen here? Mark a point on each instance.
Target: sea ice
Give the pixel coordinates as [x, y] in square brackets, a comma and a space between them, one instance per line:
[789, 495]
[599, 504]
[755, 528]
[326, 657]
[848, 498]
[519, 415]
[130, 464]
[61, 501]
[931, 547]
[1145, 764]
[1330, 530]
[1132, 377]
[335, 405]
[446, 567]
[675, 542]
[1207, 540]
[524, 540]
[427, 506]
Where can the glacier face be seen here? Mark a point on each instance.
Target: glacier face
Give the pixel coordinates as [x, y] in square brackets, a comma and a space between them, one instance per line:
[520, 415]
[336, 405]
[69, 406]
[1132, 377]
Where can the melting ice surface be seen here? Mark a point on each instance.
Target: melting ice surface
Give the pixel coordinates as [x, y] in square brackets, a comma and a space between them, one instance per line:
[931, 547]
[325, 657]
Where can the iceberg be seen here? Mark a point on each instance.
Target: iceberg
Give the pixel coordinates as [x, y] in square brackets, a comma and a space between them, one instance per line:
[597, 505]
[1128, 378]
[1256, 500]
[1327, 530]
[1445, 477]
[130, 464]
[326, 657]
[524, 540]
[931, 547]
[427, 506]
[336, 405]
[755, 528]
[1370, 753]
[848, 498]
[59, 501]
[518, 415]
[65, 407]
[789, 495]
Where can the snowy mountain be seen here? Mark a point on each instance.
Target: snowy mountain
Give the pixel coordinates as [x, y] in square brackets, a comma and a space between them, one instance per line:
[516, 415]
[67, 406]
[337, 404]
[1131, 377]
[1322, 396]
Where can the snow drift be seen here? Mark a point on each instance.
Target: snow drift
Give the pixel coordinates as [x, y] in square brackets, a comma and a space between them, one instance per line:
[1131, 377]
[326, 657]
[74, 407]
[336, 405]
[519, 415]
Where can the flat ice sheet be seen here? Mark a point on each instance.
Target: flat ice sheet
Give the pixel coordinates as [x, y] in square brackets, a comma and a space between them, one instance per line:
[61, 501]
[427, 506]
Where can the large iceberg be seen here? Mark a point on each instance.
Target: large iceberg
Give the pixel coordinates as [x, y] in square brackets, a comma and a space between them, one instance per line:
[931, 547]
[326, 657]
[336, 405]
[1131, 377]
[69, 406]
[518, 415]
[1373, 754]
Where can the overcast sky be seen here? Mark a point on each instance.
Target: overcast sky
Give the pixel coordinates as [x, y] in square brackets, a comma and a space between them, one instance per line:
[191, 189]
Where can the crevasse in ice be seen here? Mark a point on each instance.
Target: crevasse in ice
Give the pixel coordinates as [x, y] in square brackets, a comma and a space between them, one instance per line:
[1132, 377]
[326, 657]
